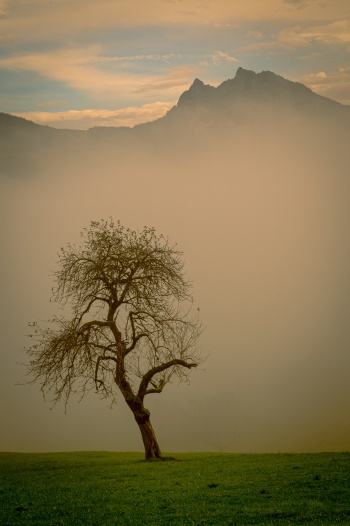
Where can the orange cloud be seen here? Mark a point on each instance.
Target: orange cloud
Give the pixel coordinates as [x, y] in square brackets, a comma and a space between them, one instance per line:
[177, 79]
[334, 84]
[335, 33]
[85, 119]
[52, 104]
[62, 18]
[78, 68]
[221, 56]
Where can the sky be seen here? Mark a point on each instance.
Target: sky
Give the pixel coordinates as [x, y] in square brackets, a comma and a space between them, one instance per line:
[119, 63]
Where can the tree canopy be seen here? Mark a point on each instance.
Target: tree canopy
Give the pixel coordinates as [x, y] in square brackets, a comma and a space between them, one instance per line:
[127, 321]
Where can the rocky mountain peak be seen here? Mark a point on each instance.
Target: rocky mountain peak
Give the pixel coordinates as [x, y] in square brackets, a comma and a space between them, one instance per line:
[197, 93]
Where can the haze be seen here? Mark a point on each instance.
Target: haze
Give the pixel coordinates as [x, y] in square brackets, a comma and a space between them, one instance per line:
[258, 203]
[261, 213]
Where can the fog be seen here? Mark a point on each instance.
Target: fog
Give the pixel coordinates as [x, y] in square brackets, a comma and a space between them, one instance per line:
[262, 217]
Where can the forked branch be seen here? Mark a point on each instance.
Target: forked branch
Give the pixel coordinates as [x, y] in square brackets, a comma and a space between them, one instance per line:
[143, 389]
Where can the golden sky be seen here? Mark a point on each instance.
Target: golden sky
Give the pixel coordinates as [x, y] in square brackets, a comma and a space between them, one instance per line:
[107, 56]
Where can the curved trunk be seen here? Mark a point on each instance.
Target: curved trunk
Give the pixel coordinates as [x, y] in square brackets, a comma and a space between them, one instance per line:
[142, 417]
[152, 449]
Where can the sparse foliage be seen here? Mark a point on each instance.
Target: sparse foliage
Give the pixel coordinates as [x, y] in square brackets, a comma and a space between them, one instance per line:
[127, 321]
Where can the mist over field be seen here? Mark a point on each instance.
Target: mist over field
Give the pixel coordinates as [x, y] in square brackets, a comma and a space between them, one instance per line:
[257, 199]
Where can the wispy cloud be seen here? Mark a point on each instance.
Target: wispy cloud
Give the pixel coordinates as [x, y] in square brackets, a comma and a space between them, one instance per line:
[332, 84]
[7, 39]
[3, 6]
[73, 67]
[52, 104]
[334, 33]
[299, 3]
[80, 69]
[85, 119]
[41, 19]
[221, 56]
[177, 79]
[156, 57]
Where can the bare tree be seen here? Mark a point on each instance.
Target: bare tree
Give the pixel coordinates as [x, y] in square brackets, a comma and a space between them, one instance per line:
[128, 325]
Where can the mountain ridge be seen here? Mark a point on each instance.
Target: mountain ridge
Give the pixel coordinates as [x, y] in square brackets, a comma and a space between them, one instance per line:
[263, 104]
[263, 87]
[248, 82]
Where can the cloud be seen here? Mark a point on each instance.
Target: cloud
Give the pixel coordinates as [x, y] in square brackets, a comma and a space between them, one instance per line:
[85, 119]
[72, 67]
[7, 39]
[62, 19]
[3, 7]
[334, 33]
[310, 56]
[82, 69]
[163, 57]
[52, 104]
[298, 3]
[176, 80]
[335, 85]
[321, 75]
[221, 56]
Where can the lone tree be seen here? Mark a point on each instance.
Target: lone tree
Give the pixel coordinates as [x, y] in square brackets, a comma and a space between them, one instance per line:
[128, 325]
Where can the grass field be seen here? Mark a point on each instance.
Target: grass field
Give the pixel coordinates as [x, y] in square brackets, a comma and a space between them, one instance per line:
[197, 488]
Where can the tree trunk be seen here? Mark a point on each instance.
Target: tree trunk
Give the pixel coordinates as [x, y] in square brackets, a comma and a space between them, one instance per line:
[152, 449]
[142, 417]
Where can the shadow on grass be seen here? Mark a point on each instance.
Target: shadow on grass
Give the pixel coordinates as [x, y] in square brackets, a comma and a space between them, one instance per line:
[162, 459]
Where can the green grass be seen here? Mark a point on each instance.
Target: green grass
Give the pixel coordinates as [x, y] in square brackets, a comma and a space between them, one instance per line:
[197, 488]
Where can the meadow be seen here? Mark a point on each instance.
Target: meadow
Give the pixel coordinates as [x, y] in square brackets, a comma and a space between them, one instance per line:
[105, 488]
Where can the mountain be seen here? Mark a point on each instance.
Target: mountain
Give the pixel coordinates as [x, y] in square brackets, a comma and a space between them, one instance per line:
[252, 97]
[264, 87]
[250, 102]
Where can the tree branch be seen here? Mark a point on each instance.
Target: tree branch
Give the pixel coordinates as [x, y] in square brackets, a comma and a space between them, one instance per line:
[160, 368]
[93, 323]
[90, 304]
[135, 337]
[101, 359]
[154, 390]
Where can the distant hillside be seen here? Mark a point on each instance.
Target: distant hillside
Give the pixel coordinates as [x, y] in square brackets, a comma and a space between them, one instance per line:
[250, 102]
